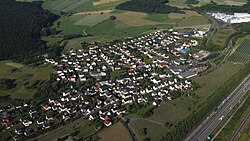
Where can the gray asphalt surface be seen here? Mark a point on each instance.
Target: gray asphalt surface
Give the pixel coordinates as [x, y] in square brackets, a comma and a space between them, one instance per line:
[218, 116]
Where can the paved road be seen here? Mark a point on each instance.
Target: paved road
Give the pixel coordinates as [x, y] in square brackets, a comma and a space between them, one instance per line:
[218, 116]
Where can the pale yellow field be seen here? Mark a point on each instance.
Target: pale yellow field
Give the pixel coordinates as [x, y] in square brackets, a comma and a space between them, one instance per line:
[103, 2]
[133, 19]
[117, 132]
[94, 12]
[187, 14]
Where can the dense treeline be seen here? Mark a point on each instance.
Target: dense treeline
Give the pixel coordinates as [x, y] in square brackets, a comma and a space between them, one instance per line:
[148, 6]
[192, 2]
[185, 126]
[6, 84]
[21, 25]
[214, 7]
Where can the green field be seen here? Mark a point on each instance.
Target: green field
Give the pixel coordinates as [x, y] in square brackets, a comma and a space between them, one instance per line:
[23, 75]
[157, 17]
[242, 53]
[178, 3]
[245, 136]
[65, 6]
[52, 39]
[225, 2]
[85, 128]
[212, 81]
[91, 20]
[74, 6]
[221, 36]
[126, 25]
[53, 135]
[154, 130]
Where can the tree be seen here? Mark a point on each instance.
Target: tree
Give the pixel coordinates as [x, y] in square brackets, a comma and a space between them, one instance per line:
[21, 28]
[148, 6]
[112, 17]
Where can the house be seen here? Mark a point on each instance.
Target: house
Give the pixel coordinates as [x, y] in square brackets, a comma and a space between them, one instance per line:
[187, 74]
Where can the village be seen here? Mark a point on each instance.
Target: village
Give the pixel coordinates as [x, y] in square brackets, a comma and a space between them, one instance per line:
[149, 69]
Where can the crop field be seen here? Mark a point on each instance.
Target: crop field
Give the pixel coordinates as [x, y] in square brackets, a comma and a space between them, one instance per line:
[127, 21]
[109, 30]
[91, 20]
[226, 2]
[134, 19]
[116, 132]
[242, 53]
[74, 6]
[100, 2]
[65, 6]
[23, 74]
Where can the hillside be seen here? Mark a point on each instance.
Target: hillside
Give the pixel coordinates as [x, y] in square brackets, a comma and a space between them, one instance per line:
[21, 24]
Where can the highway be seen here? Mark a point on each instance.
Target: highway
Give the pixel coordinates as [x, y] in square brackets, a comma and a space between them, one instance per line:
[217, 116]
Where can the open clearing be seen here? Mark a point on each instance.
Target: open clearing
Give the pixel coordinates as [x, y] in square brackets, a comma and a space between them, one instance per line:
[178, 3]
[23, 74]
[91, 20]
[133, 19]
[117, 132]
[212, 81]
[13, 64]
[154, 131]
[220, 37]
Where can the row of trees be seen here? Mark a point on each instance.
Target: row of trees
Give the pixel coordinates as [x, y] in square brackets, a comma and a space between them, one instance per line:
[185, 126]
[148, 6]
[21, 25]
[212, 6]
[6, 84]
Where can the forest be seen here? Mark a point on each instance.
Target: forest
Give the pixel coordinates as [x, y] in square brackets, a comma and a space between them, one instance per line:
[214, 7]
[148, 6]
[21, 25]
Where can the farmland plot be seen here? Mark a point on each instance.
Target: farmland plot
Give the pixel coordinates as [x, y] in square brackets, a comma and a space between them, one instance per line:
[242, 53]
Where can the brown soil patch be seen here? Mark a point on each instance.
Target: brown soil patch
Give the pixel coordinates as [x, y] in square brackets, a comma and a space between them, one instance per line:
[133, 19]
[186, 15]
[117, 132]
[103, 2]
